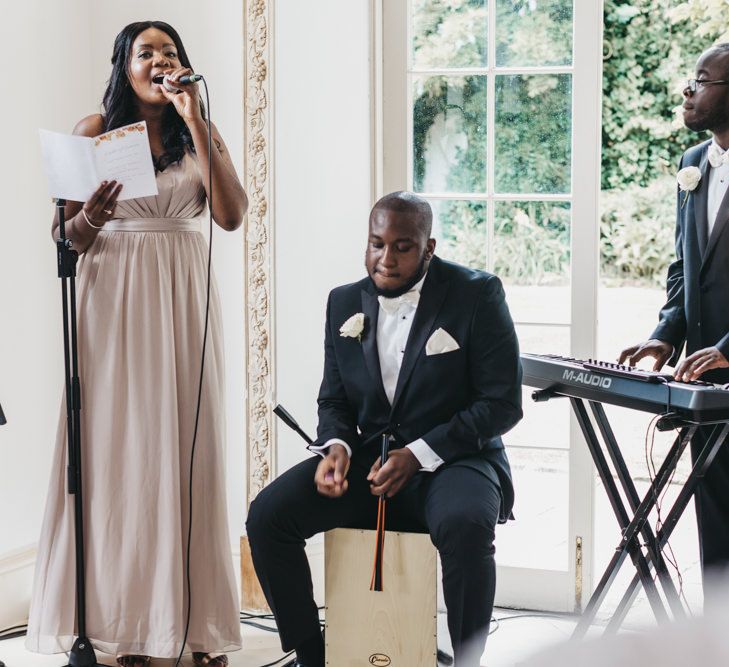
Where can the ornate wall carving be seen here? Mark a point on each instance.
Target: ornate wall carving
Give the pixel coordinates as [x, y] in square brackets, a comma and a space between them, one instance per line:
[258, 134]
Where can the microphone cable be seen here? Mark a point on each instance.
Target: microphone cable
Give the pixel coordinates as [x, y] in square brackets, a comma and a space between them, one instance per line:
[202, 369]
[658, 498]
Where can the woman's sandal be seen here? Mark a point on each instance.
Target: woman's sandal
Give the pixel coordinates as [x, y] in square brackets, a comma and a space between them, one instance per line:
[210, 659]
[133, 660]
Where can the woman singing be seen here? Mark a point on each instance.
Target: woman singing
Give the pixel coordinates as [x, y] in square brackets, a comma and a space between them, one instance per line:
[141, 315]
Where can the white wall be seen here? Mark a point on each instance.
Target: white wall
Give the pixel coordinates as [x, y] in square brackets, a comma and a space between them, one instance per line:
[322, 170]
[322, 184]
[42, 38]
[73, 39]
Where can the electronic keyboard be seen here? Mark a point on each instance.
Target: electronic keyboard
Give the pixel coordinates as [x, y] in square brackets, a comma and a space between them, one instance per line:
[627, 386]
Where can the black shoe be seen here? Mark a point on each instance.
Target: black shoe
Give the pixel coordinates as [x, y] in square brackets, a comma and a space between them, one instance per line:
[294, 663]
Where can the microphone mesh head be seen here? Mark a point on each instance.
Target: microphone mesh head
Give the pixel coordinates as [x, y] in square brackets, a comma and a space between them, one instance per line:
[170, 87]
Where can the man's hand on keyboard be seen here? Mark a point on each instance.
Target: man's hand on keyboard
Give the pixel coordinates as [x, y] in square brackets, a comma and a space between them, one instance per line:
[660, 350]
[696, 364]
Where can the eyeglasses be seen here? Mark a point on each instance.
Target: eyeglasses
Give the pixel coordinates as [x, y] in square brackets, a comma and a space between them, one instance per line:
[693, 84]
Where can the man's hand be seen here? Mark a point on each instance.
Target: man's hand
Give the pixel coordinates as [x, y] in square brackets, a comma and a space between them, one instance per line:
[331, 473]
[696, 364]
[400, 467]
[658, 349]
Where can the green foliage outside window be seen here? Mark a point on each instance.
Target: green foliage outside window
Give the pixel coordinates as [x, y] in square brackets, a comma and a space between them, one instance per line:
[647, 60]
[636, 232]
[650, 48]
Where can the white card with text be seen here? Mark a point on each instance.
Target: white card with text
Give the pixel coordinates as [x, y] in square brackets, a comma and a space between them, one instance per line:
[75, 166]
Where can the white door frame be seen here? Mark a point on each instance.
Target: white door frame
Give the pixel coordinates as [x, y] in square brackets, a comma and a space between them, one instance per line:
[519, 587]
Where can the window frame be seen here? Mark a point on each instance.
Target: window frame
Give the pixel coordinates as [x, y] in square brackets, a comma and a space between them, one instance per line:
[392, 170]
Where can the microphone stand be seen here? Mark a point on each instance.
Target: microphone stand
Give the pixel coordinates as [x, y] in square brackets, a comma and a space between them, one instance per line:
[82, 653]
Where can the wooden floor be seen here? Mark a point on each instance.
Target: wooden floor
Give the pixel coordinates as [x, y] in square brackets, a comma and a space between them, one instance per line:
[508, 646]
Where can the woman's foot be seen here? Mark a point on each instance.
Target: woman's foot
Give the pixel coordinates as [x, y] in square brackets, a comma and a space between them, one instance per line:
[210, 659]
[133, 660]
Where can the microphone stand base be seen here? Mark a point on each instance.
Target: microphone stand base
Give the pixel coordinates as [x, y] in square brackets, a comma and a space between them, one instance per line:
[82, 654]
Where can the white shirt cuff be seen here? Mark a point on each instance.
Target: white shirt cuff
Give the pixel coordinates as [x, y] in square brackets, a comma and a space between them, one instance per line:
[323, 450]
[429, 460]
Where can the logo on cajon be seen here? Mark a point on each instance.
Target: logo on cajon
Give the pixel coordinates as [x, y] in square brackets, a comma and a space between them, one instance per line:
[380, 660]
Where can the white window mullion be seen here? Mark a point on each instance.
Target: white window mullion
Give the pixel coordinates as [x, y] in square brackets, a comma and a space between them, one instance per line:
[409, 106]
[586, 150]
[540, 588]
[396, 96]
[476, 71]
[490, 127]
[514, 196]
[377, 106]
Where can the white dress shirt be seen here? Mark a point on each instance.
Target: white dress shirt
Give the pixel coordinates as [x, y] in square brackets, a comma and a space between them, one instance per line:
[393, 329]
[718, 183]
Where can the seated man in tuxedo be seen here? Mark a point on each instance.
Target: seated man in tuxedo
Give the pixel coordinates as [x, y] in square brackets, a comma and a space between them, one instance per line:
[424, 350]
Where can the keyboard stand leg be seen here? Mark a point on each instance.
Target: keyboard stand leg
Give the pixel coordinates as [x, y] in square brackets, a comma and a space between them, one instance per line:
[662, 478]
[630, 545]
[621, 611]
[641, 515]
[703, 461]
[654, 553]
[598, 596]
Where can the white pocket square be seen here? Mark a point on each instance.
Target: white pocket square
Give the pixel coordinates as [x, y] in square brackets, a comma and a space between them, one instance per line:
[440, 342]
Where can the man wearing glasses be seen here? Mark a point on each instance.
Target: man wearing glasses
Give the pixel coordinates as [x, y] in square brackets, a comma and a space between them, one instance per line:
[696, 313]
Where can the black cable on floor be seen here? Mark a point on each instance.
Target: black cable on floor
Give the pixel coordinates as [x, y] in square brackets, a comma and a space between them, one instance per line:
[562, 617]
[14, 632]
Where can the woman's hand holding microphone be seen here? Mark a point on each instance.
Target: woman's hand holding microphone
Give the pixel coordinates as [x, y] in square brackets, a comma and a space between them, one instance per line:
[184, 96]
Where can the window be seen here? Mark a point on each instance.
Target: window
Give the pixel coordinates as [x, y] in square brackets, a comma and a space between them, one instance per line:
[490, 109]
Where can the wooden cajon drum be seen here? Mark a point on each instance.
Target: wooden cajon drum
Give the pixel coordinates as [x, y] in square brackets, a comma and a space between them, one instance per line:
[392, 628]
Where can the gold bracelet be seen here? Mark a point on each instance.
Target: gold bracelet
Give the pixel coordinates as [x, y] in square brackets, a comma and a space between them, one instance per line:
[88, 222]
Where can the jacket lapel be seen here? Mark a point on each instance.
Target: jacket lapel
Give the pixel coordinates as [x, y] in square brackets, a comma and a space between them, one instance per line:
[431, 299]
[371, 309]
[700, 200]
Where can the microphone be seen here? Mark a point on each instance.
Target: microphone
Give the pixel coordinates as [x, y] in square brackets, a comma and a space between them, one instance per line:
[287, 419]
[170, 87]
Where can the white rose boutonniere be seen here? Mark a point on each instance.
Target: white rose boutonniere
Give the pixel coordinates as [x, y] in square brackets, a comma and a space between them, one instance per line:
[688, 180]
[353, 327]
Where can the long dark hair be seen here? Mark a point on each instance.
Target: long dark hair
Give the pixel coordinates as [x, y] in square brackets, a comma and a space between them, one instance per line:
[120, 107]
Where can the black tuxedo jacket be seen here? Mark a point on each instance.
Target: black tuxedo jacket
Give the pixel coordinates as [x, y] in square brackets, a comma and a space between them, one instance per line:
[459, 402]
[696, 313]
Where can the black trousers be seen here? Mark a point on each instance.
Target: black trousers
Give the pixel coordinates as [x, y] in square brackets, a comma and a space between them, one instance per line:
[712, 506]
[457, 505]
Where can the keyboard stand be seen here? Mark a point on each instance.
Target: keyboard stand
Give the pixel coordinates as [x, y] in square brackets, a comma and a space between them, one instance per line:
[703, 462]
[633, 518]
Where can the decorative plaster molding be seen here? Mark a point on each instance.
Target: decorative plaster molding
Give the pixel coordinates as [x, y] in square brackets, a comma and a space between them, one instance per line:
[258, 134]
